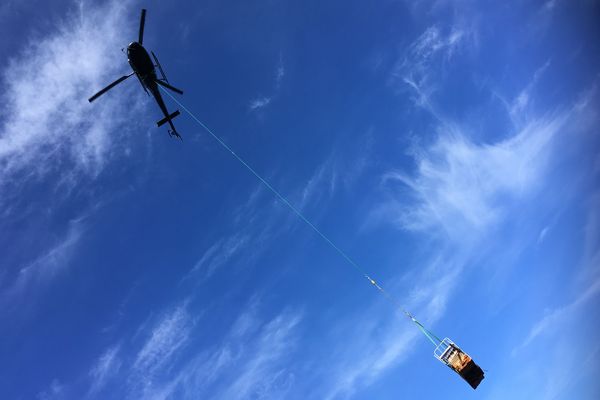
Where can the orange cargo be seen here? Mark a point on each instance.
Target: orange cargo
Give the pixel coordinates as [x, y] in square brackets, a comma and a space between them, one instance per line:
[451, 355]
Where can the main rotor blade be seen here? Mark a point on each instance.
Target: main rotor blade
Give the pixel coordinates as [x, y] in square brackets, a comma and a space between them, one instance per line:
[106, 89]
[142, 22]
[165, 84]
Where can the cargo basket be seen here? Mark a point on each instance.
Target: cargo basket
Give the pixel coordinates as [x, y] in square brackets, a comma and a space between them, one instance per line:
[451, 355]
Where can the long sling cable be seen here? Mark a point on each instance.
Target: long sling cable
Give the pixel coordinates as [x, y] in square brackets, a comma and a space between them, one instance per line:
[432, 338]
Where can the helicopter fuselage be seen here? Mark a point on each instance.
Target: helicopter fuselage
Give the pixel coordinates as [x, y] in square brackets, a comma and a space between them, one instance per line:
[142, 65]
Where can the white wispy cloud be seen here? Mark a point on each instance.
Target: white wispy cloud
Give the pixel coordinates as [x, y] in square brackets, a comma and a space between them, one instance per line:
[554, 317]
[263, 372]
[107, 367]
[543, 234]
[319, 186]
[433, 42]
[261, 102]
[219, 254]
[279, 72]
[167, 336]
[556, 352]
[550, 4]
[48, 126]
[373, 353]
[464, 187]
[518, 107]
[423, 59]
[460, 185]
[252, 225]
[139, 373]
[587, 277]
[45, 267]
[250, 362]
[55, 391]
[164, 341]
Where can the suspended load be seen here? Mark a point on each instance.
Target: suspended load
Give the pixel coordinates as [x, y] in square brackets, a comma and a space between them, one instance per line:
[445, 351]
[451, 355]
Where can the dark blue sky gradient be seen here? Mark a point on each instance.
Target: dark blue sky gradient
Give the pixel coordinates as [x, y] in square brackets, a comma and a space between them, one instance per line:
[450, 147]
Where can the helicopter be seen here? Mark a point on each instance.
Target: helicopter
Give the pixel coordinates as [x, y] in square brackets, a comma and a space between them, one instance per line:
[144, 69]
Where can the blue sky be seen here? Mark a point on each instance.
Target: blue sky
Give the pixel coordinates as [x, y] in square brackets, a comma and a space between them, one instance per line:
[450, 147]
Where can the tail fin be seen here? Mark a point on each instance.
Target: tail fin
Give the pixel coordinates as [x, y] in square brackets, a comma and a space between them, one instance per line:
[168, 118]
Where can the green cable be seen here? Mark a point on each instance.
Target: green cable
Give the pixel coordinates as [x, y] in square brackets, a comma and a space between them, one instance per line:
[430, 335]
[303, 218]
